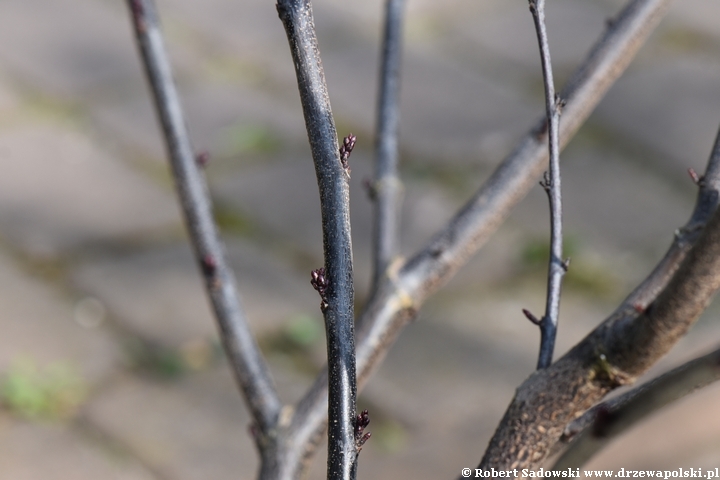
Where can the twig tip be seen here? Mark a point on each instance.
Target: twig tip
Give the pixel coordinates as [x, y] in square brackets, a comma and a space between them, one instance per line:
[697, 179]
[531, 317]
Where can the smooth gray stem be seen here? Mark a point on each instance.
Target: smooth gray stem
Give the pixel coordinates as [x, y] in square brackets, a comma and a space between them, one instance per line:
[332, 178]
[552, 185]
[246, 361]
[387, 188]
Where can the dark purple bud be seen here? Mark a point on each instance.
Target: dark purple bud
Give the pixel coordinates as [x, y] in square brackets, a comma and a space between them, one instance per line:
[318, 280]
[361, 421]
[364, 439]
[320, 283]
[209, 264]
[202, 158]
[346, 149]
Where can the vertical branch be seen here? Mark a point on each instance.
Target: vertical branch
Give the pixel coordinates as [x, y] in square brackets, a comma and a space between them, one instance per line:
[390, 310]
[249, 368]
[551, 184]
[387, 188]
[336, 279]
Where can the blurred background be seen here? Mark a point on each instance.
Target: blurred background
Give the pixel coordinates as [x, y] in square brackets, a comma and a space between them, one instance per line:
[109, 359]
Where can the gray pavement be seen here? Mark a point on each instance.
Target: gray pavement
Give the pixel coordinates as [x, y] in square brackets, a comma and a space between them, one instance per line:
[109, 359]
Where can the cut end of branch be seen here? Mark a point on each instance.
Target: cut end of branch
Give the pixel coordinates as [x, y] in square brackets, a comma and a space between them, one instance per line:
[532, 317]
[697, 179]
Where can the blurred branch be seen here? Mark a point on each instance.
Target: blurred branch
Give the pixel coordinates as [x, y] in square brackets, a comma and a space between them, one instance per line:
[248, 365]
[706, 203]
[552, 185]
[387, 189]
[643, 328]
[332, 176]
[603, 423]
[397, 300]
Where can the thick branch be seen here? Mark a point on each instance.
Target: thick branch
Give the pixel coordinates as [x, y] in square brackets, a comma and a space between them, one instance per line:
[605, 422]
[408, 285]
[249, 368]
[551, 184]
[387, 189]
[332, 178]
[650, 321]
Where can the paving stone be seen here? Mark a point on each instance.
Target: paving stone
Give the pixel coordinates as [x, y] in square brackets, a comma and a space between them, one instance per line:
[40, 327]
[158, 292]
[192, 429]
[291, 208]
[36, 450]
[43, 47]
[507, 30]
[671, 106]
[613, 203]
[684, 434]
[64, 191]
[697, 15]
[225, 118]
[9, 99]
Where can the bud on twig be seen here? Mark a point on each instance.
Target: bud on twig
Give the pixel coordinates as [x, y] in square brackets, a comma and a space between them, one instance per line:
[345, 150]
[361, 422]
[320, 283]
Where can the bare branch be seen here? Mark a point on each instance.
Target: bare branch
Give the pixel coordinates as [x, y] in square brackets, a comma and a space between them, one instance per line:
[648, 323]
[249, 368]
[387, 188]
[603, 423]
[396, 301]
[552, 185]
[332, 176]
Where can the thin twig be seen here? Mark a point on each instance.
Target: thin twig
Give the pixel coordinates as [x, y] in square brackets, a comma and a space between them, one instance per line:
[387, 188]
[551, 184]
[246, 361]
[707, 201]
[332, 177]
[605, 422]
[644, 327]
[397, 300]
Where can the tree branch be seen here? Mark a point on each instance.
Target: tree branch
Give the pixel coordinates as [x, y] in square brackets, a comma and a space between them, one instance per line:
[387, 189]
[332, 177]
[397, 300]
[248, 366]
[648, 323]
[552, 185]
[603, 423]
